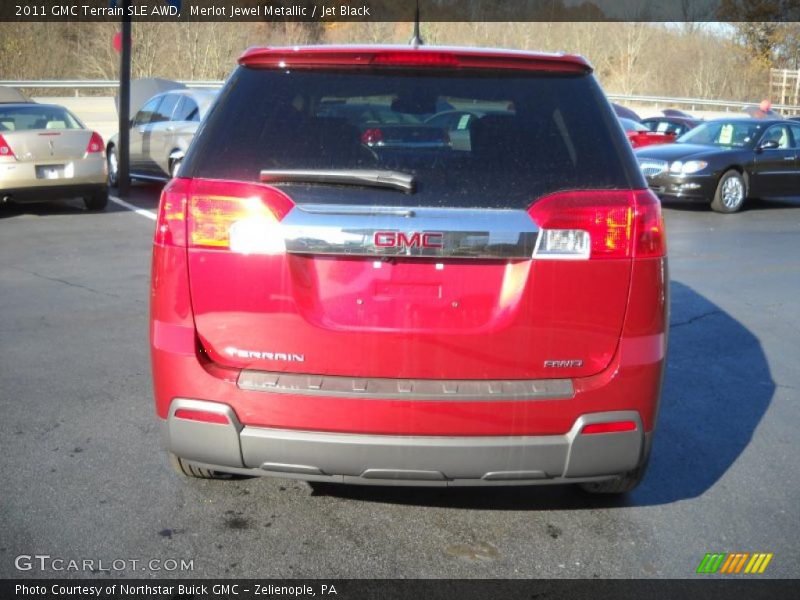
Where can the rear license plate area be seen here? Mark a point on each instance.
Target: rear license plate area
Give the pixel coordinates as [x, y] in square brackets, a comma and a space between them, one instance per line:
[50, 171]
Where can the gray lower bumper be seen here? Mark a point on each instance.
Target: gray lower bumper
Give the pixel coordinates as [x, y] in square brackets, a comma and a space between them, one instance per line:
[406, 460]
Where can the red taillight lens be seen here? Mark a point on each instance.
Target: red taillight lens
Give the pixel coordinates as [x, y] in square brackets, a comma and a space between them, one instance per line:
[221, 214]
[650, 241]
[372, 136]
[95, 144]
[201, 415]
[171, 223]
[613, 427]
[5, 149]
[599, 224]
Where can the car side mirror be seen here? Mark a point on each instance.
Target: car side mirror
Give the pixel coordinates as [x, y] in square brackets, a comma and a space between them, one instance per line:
[769, 145]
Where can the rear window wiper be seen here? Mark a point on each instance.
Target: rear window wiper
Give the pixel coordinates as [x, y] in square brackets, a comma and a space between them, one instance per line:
[383, 178]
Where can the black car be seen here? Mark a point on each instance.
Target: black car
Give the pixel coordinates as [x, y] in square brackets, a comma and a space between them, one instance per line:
[726, 161]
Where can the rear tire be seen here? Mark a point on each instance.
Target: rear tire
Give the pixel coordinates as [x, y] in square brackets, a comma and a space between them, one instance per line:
[731, 193]
[623, 484]
[187, 469]
[96, 202]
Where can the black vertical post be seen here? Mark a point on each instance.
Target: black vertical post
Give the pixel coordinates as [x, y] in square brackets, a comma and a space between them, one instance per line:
[123, 152]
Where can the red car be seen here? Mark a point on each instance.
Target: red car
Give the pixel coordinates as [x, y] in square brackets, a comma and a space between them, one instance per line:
[640, 136]
[328, 310]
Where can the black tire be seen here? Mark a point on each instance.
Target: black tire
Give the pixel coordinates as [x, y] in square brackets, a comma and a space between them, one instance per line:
[730, 194]
[96, 202]
[187, 469]
[112, 162]
[623, 484]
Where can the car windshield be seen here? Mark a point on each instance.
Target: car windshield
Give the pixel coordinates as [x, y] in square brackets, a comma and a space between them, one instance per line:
[35, 116]
[722, 133]
[532, 133]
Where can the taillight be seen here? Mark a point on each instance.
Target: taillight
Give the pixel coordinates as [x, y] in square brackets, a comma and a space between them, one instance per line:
[372, 136]
[649, 241]
[230, 215]
[171, 222]
[612, 427]
[599, 224]
[5, 149]
[95, 144]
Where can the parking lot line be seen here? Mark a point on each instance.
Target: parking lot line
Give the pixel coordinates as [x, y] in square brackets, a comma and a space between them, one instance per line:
[139, 211]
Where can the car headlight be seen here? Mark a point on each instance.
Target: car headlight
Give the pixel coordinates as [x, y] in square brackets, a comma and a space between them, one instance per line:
[688, 167]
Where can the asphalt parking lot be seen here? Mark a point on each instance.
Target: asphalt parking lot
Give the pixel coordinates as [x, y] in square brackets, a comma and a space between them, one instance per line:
[83, 476]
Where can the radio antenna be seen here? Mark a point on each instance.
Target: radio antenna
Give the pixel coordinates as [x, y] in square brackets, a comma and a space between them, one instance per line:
[416, 39]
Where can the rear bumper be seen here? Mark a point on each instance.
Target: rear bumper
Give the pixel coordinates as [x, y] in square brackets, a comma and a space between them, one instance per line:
[406, 460]
[18, 180]
[314, 430]
[53, 192]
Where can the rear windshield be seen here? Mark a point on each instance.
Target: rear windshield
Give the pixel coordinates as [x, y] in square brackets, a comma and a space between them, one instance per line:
[469, 140]
[33, 116]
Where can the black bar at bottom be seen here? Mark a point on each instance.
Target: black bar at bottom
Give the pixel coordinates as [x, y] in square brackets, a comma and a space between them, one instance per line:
[748, 586]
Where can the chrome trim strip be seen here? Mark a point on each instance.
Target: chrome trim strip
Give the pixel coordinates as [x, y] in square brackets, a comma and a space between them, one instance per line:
[326, 209]
[378, 388]
[652, 167]
[409, 231]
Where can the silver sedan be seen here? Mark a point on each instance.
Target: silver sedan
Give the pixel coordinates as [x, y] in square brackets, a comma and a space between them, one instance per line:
[160, 134]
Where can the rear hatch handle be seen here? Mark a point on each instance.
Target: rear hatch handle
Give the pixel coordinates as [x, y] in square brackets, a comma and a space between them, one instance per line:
[361, 177]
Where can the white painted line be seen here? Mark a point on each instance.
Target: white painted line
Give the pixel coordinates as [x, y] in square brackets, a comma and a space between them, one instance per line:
[139, 211]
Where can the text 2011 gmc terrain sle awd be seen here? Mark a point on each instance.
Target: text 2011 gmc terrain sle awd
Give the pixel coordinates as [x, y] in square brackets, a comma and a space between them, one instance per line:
[417, 266]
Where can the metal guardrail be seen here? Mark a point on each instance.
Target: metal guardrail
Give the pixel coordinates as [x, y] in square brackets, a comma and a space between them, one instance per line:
[694, 103]
[690, 103]
[78, 84]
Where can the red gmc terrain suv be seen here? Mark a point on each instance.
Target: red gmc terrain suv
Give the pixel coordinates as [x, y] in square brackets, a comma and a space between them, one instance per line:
[410, 265]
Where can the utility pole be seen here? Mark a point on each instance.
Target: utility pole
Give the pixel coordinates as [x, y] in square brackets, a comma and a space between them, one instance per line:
[123, 152]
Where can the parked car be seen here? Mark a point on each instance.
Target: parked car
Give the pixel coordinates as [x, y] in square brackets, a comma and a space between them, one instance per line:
[10, 95]
[485, 317]
[623, 112]
[161, 132]
[458, 124]
[726, 161]
[639, 135]
[47, 153]
[675, 125]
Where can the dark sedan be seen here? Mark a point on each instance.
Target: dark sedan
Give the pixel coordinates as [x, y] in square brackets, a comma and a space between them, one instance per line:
[724, 162]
